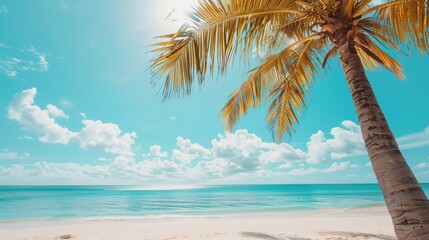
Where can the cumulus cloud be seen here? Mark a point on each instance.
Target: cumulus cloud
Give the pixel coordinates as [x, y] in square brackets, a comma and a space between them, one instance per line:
[106, 136]
[229, 155]
[346, 141]
[242, 152]
[188, 151]
[8, 155]
[94, 135]
[236, 153]
[55, 112]
[36, 120]
[282, 152]
[156, 152]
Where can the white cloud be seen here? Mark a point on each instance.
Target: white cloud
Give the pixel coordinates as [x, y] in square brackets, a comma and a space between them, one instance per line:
[55, 112]
[41, 58]
[10, 66]
[7, 155]
[11, 73]
[31, 60]
[241, 143]
[230, 156]
[161, 169]
[156, 152]
[280, 153]
[335, 167]
[44, 65]
[106, 136]
[188, 151]
[42, 122]
[285, 165]
[71, 170]
[346, 142]
[36, 120]
[245, 152]
[19, 172]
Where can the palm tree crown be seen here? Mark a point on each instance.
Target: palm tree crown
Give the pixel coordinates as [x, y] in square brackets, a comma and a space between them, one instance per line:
[299, 36]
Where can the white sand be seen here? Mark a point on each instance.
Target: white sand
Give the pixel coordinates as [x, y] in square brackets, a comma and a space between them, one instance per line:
[340, 224]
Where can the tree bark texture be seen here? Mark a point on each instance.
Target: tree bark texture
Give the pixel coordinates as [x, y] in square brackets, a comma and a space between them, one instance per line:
[404, 197]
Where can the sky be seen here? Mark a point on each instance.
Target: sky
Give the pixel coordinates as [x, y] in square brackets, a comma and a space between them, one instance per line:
[77, 107]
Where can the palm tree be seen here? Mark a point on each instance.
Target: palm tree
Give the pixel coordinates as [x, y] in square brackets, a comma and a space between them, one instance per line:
[299, 37]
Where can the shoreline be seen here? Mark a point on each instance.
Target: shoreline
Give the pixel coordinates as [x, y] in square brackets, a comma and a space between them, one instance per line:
[192, 216]
[329, 223]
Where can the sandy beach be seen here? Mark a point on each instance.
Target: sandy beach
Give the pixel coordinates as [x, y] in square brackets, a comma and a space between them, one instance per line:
[353, 223]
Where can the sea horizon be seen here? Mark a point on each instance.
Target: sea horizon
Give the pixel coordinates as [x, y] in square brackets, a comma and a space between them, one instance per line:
[25, 203]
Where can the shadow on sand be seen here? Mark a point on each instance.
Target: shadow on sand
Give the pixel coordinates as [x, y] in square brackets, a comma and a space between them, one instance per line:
[357, 235]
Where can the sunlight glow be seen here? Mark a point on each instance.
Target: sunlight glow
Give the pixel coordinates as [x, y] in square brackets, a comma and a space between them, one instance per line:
[173, 13]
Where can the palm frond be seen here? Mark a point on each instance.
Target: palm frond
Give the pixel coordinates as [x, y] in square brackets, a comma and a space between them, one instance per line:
[347, 8]
[371, 53]
[252, 92]
[407, 19]
[288, 95]
[361, 7]
[219, 28]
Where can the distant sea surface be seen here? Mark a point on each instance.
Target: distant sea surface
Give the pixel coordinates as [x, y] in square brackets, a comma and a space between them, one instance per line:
[65, 202]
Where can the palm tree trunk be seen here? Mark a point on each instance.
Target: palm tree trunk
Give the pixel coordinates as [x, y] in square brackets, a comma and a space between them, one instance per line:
[404, 197]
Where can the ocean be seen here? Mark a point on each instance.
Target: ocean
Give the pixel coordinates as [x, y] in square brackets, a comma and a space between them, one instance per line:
[71, 202]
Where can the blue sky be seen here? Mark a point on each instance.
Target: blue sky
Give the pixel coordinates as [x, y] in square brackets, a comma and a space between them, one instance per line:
[76, 107]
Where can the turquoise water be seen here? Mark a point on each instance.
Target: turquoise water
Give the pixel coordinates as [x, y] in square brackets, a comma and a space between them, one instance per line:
[62, 202]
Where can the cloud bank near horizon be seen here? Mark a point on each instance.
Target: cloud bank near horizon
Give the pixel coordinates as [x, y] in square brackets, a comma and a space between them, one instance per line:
[230, 155]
